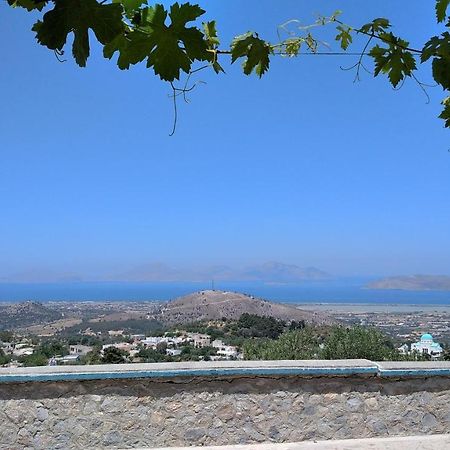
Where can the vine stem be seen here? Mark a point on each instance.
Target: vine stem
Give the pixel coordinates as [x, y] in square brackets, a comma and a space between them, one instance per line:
[228, 52]
[372, 35]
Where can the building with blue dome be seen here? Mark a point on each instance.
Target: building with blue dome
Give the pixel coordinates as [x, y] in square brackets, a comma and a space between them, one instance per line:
[426, 345]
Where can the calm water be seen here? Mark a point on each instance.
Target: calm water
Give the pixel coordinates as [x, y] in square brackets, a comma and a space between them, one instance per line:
[328, 292]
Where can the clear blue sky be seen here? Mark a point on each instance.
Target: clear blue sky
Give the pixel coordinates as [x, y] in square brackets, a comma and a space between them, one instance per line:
[303, 166]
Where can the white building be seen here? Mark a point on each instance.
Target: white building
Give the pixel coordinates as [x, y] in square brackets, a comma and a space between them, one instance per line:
[7, 347]
[80, 350]
[226, 351]
[116, 332]
[23, 351]
[426, 345]
[403, 349]
[138, 337]
[200, 340]
[173, 352]
[153, 341]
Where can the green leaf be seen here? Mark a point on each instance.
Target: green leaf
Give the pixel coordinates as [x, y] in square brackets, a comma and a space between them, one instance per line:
[393, 60]
[167, 59]
[118, 44]
[436, 46]
[133, 48]
[78, 16]
[292, 46]
[379, 25]
[194, 44]
[169, 49]
[130, 6]
[445, 114]
[80, 48]
[344, 36]
[441, 71]
[29, 5]
[173, 48]
[153, 17]
[441, 9]
[336, 14]
[217, 67]
[255, 50]
[210, 31]
[182, 14]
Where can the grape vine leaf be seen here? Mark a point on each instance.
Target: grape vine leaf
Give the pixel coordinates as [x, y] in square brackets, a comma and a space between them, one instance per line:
[133, 48]
[135, 45]
[379, 25]
[212, 42]
[212, 39]
[441, 9]
[394, 60]
[445, 114]
[436, 46]
[182, 14]
[255, 50]
[130, 6]
[78, 16]
[441, 71]
[344, 36]
[166, 55]
[29, 5]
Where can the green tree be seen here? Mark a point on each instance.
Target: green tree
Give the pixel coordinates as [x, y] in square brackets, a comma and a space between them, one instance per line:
[297, 344]
[149, 355]
[297, 325]
[6, 336]
[4, 359]
[35, 359]
[357, 342]
[53, 348]
[93, 357]
[171, 41]
[161, 347]
[252, 325]
[114, 355]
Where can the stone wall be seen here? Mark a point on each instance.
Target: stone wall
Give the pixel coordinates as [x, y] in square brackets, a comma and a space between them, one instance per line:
[196, 410]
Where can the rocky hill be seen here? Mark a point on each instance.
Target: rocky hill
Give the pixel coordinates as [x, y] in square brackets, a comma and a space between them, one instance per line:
[24, 314]
[413, 283]
[210, 305]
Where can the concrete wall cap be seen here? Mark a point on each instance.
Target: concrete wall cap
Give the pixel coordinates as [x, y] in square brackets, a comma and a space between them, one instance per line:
[357, 367]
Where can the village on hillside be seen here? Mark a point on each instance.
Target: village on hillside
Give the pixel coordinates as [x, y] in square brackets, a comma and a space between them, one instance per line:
[209, 325]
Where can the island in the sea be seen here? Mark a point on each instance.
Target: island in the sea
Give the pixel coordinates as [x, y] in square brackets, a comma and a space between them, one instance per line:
[413, 283]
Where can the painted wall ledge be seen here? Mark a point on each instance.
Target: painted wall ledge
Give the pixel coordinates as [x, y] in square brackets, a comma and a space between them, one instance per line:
[308, 368]
[434, 442]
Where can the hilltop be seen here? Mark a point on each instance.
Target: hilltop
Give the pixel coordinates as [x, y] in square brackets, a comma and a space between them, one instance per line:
[23, 314]
[213, 305]
[413, 283]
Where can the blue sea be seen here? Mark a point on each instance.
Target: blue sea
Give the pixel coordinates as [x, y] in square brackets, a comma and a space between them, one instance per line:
[342, 291]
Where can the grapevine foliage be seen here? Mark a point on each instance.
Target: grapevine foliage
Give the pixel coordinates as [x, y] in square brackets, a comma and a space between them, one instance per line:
[344, 36]
[393, 59]
[78, 16]
[172, 41]
[255, 51]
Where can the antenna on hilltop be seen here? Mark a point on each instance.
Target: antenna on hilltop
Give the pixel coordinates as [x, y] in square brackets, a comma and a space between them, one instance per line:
[212, 285]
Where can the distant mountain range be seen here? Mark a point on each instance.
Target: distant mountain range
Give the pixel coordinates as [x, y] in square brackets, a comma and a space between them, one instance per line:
[413, 283]
[270, 272]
